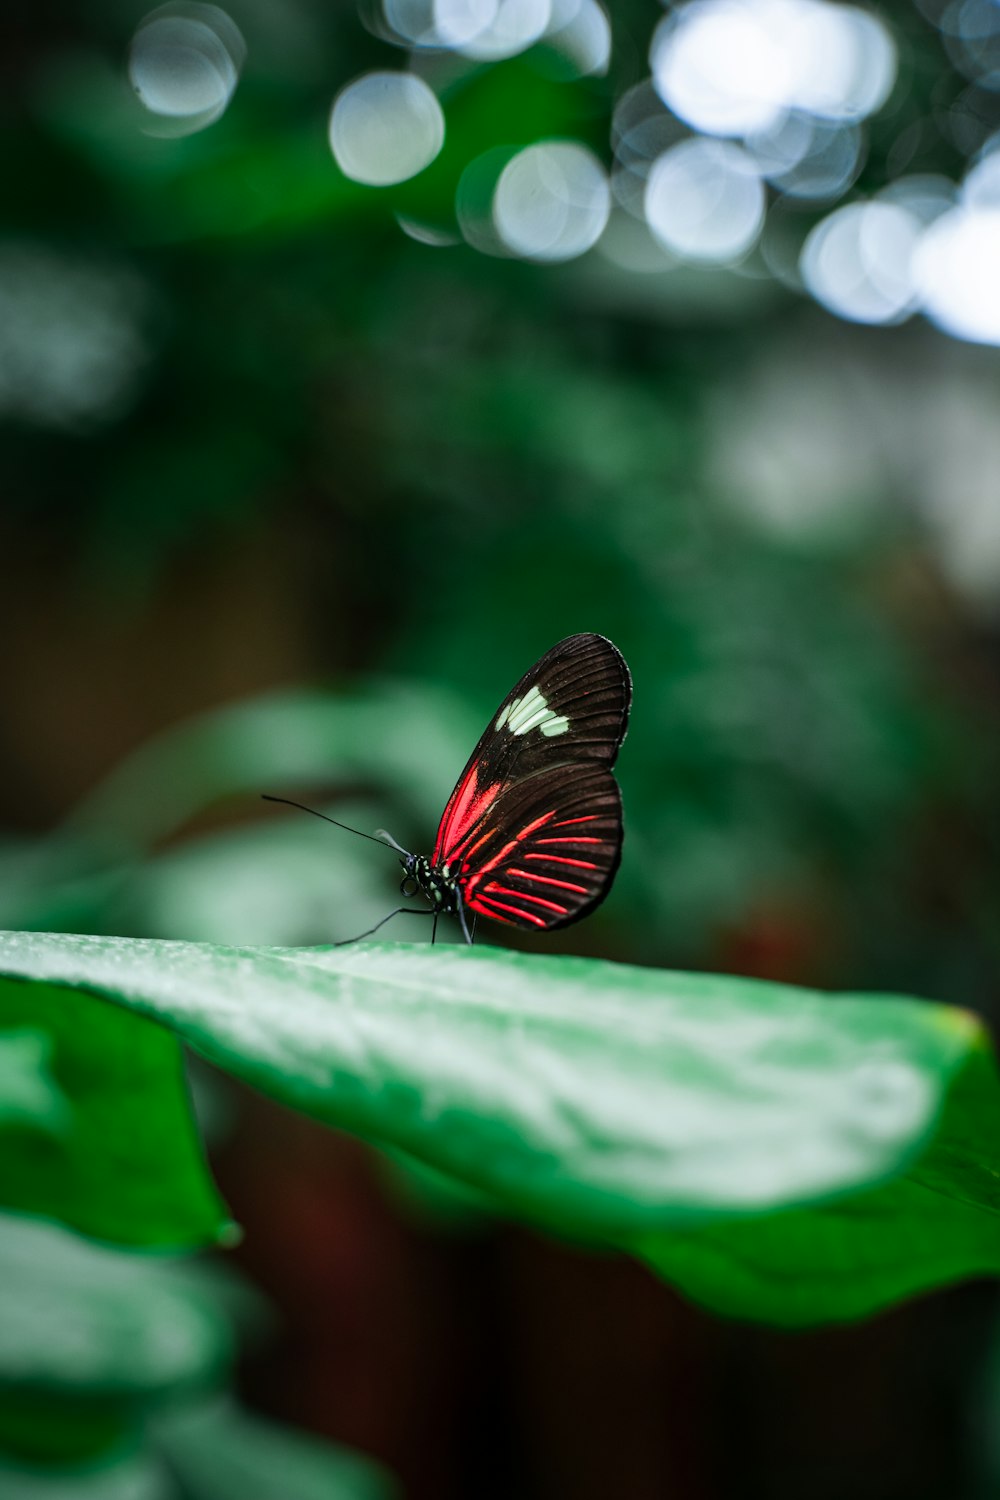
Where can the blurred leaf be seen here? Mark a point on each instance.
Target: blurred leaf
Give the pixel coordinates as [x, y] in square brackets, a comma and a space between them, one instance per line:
[221, 1453]
[82, 1319]
[122, 1476]
[51, 1427]
[286, 880]
[406, 741]
[97, 1345]
[410, 737]
[58, 882]
[90, 1335]
[116, 1155]
[665, 1112]
[28, 1092]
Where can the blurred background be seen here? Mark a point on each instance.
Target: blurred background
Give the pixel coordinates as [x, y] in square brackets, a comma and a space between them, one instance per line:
[350, 356]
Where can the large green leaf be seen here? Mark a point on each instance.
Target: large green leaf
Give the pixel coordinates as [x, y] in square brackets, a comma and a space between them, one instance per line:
[736, 1134]
[833, 1261]
[95, 1123]
[936, 1224]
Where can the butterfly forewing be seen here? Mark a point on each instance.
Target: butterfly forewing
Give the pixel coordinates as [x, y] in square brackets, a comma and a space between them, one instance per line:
[532, 832]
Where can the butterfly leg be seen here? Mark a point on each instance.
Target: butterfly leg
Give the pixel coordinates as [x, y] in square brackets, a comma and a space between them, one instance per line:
[461, 918]
[472, 938]
[413, 911]
[434, 928]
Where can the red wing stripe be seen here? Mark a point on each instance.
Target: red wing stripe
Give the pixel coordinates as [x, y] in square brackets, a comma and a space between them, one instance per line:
[526, 916]
[590, 818]
[453, 853]
[490, 864]
[562, 859]
[470, 805]
[547, 880]
[477, 875]
[484, 911]
[523, 896]
[530, 827]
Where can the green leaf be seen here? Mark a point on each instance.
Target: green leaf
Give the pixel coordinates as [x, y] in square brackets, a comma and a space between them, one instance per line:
[736, 1134]
[91, 1336]
[270, 743]
[220, 1453]
[831, 1262]
[583, 1093]
[28, 1092]
[101, 1349]
[50, 1427]
[283, 880]
[81, 1319]
[122, 1476]
[114, 1151]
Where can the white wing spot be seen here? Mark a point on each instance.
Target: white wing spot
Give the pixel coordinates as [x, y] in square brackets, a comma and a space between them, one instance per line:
[532, 712]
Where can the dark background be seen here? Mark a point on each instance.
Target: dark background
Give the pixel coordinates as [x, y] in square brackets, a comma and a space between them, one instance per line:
[258, 441]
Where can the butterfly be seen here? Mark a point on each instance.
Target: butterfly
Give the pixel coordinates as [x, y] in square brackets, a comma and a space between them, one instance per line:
[531, 836]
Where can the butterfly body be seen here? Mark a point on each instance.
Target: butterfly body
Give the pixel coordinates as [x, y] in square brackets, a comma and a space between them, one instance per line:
[440, 889]
[531, 835]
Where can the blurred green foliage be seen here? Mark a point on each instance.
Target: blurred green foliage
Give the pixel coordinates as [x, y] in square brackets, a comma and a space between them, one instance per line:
[110, 1371]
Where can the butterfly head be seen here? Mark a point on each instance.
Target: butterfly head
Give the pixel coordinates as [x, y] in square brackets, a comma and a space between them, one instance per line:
[410, 883]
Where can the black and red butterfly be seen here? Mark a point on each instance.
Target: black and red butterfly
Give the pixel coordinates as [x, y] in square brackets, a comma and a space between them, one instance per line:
[532, 834]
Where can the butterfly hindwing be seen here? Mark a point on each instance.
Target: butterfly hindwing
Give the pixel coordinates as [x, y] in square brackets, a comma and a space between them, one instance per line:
[532, 832]
[548, 849]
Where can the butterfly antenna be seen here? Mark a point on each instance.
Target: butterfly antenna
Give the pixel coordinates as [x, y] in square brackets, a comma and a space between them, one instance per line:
[385, 837]
[302, 808]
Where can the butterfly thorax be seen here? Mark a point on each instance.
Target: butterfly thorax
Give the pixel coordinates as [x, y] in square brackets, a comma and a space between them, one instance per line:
[433, 881]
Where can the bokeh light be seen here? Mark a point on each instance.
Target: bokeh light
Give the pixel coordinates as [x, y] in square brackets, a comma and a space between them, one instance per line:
[958, 273]
[705, 201]
[474, 201]
[72, 345]
[184, 64]
[971, 34]
[426, 234]
[731, 67]
[641, 130]
[583, 37]
[981, 187]
[926, 195]
[859, 262]
[514, 27]
[806, 157]
[552, 201]
[956, 267]
[385, 128]
[439, 23]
